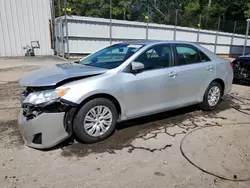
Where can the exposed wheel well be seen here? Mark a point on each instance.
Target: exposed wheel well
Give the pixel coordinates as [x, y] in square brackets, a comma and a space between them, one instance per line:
[221, 82]
[70, 115]
[107, 96]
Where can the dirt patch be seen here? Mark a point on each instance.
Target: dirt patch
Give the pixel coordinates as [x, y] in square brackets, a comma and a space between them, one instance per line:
[9, 102]
[159, 174]
[10, 91]
[10, 134]
[202, 148]
[19, 68]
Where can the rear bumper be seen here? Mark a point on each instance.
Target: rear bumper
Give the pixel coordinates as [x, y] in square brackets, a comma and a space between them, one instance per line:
[43, 131]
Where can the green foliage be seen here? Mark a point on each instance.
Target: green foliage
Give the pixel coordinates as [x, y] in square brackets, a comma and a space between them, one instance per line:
[247, 12]
[192, 7]
[189, 11]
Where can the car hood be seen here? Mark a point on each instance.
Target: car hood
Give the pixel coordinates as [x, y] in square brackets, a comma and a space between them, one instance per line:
[52, 76]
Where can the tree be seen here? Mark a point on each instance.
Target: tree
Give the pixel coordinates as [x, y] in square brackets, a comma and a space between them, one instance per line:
[164, 12]
[247, 11]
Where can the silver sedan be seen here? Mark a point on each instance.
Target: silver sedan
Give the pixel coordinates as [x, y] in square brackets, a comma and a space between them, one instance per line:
[120, 82]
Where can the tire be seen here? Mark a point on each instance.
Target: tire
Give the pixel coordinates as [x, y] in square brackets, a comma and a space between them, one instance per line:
[205, 104]
[81, 124]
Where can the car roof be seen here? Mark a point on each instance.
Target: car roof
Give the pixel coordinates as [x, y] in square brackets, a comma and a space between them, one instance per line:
[149, 42]
[209, 53]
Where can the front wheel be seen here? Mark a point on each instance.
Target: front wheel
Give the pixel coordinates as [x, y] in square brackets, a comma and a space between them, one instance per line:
[212, 96]
[95, 120]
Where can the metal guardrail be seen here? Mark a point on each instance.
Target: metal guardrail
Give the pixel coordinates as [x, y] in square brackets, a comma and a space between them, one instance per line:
[86, 35]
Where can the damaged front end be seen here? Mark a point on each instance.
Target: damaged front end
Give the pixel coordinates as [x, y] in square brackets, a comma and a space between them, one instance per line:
[31, 110]
[45, 122]
[46, 118]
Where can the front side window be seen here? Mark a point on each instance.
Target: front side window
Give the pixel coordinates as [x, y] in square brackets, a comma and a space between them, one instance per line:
[159, 56]
[112, 56]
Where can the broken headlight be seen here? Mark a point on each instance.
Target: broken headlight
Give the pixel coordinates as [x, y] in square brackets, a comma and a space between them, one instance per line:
[45, 96]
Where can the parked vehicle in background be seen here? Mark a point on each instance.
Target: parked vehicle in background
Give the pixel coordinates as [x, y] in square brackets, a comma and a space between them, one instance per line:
[241, 67]
[120, 82]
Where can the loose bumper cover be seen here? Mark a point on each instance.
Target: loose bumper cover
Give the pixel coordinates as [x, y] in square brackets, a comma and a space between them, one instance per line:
[43, 131]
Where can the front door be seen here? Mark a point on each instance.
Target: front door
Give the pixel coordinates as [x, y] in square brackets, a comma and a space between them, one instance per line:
[156, 87]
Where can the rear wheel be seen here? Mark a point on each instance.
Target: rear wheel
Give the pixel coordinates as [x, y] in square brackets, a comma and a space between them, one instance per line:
[212, 96]
[95, 120]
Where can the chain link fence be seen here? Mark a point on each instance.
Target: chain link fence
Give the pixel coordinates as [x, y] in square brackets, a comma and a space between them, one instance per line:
[178, 18]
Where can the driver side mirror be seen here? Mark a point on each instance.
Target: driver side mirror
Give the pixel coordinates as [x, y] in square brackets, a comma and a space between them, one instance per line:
[137, 66]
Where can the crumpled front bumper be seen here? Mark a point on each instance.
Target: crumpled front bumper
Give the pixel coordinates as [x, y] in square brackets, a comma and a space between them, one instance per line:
[43, 131]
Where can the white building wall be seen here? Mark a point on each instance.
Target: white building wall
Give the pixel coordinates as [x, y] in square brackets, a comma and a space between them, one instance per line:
[23, 21]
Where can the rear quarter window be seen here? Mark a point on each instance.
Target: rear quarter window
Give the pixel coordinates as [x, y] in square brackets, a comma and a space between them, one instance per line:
[204, 57]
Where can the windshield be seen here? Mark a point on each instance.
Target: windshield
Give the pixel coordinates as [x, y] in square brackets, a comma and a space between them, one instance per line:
[112, 56]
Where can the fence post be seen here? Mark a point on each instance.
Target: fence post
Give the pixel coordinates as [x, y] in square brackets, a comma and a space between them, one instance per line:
[66, 27]
[176, 15]
[198, 33]
[62, 37]
[245, 43]
[232, 38]
[57, 35]
[147, 23]
[52, 7]
[110, 22]
[216, 37]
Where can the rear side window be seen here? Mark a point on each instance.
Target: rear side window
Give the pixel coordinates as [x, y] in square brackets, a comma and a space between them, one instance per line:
[188, 54]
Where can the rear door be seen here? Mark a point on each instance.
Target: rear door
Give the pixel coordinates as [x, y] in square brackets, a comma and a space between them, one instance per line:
[196, 72]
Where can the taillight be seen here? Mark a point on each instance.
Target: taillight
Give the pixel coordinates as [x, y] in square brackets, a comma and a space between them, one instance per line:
[232, 65]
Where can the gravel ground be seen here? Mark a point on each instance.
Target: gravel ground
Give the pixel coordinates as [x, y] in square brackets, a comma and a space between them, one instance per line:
[184, 148]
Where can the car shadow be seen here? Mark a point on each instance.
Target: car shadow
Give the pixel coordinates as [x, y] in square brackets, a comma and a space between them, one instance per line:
[127, 131]
[157, 117]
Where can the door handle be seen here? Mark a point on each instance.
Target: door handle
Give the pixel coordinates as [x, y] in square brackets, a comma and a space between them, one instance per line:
[210, 68]
[172, 74]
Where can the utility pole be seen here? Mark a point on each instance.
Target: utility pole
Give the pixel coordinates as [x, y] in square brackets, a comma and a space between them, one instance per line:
[110, 21]
[124, 12]
[209, 3]
[208, 9]
[147, 22]
[59, 7]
